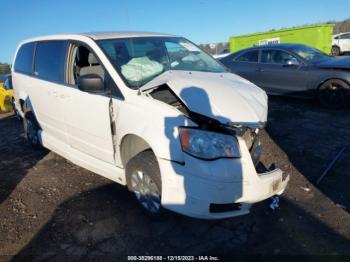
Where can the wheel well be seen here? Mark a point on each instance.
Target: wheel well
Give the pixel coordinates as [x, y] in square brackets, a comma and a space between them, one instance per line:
[130, 146]
[337, 46]
[318, 87]
[21, 102]
[28, 111]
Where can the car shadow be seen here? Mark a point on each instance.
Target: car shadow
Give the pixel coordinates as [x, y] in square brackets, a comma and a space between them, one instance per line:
[107, 224]
[16, 156]
[312, 136]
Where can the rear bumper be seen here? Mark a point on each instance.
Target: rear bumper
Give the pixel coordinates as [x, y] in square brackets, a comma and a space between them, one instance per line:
[191, 190]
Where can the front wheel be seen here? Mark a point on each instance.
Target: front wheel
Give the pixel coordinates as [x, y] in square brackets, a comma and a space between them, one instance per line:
[335, 51]
[334, 93]
[144, 180]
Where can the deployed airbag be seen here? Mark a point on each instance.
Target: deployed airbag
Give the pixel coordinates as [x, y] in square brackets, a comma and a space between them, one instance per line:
[141, 68]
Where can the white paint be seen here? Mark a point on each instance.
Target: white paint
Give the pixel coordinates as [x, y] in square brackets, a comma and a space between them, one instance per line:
[76, 125]
[217, 56]
[342, 41]
[223, 96]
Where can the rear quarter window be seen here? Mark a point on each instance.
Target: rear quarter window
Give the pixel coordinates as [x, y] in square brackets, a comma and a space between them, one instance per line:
[50, 60]
[24, 59]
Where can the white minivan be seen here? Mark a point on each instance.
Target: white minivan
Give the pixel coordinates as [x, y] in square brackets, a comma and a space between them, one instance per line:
[151, 111]
[341, 44]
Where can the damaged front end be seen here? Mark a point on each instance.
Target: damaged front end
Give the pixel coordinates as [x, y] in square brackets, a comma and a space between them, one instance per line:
[250, 134]
[229, 184]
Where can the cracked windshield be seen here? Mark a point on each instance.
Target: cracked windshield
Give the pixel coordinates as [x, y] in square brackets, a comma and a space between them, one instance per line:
[139, 60]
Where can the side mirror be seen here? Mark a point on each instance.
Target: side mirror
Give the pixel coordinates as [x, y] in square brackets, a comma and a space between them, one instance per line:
[292, 62]
[91, 83]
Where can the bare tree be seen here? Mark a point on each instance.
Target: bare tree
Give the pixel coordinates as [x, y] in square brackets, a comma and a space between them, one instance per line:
[5, 68]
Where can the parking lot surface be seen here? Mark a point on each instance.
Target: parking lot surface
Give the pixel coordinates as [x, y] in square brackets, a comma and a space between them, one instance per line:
[50, 207]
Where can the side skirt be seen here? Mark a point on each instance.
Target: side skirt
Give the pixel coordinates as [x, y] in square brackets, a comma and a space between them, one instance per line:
[83, 160]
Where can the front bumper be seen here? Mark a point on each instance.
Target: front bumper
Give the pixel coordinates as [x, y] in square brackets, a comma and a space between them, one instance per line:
[194, 188]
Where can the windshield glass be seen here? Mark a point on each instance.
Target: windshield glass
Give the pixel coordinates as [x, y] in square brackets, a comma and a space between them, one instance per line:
[139, 60]
[309, 53]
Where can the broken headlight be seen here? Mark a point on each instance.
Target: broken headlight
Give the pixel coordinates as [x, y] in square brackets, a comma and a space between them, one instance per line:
[208, 145]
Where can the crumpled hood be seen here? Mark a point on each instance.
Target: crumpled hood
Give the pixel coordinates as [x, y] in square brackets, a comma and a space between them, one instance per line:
[225, 97]
[335, 62]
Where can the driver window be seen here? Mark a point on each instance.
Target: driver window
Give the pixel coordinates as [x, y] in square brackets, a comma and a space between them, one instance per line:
[83, 62]
[275, 57]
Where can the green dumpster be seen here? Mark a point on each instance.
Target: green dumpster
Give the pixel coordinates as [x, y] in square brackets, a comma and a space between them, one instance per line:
[317, 36]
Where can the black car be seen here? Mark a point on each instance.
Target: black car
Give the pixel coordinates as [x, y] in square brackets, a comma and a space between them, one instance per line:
[294, 70]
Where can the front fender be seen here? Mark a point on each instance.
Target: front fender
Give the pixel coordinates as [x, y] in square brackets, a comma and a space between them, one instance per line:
[158, 127]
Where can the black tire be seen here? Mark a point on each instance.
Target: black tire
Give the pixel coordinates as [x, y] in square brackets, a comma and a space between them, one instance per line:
[13, 105]
[334, 93]
[148, 195]
[15, 111]
[335, 51]
[31, 130]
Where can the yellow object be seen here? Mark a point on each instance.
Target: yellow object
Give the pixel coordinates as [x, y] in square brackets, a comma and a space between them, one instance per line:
[6, 97]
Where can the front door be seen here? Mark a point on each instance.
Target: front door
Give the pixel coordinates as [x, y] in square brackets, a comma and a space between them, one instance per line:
[87, 115]
[277, 76]
[246, 65]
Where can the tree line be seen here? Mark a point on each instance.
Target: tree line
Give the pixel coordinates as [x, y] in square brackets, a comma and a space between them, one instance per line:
[341, 27]
[5, 68]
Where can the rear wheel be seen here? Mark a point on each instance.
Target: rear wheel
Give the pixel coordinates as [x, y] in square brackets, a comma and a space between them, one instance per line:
[335, 51]
[334, 93]
[15, 110]
[143, 179]
[31, 129]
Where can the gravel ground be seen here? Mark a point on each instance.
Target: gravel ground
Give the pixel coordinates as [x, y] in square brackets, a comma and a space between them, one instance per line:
[51, 208]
